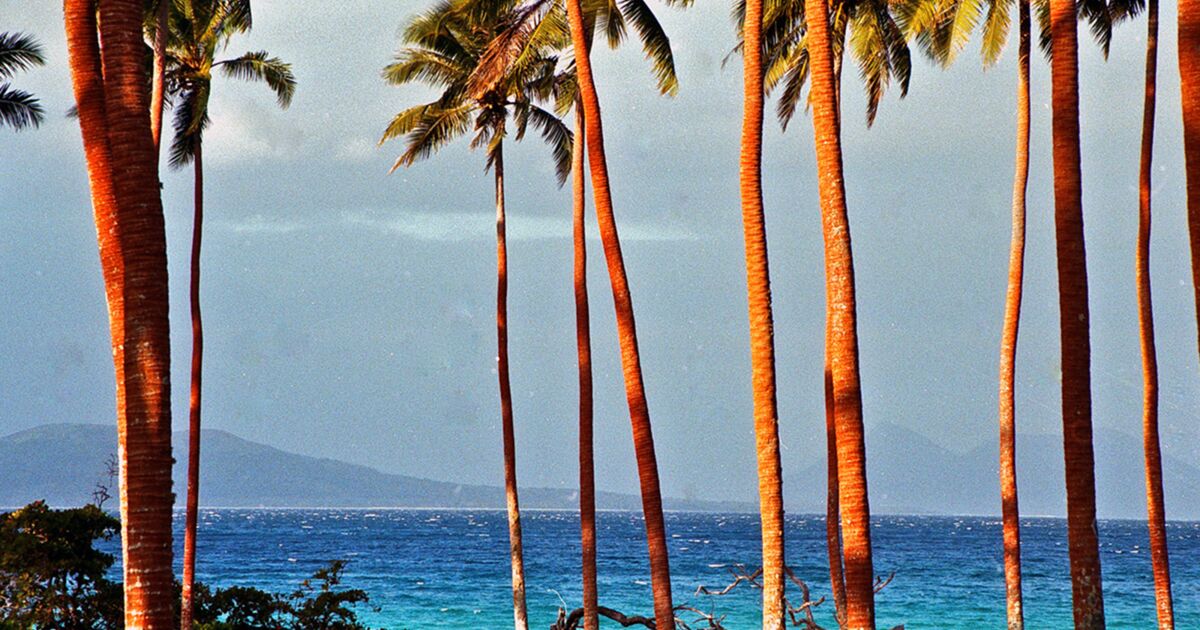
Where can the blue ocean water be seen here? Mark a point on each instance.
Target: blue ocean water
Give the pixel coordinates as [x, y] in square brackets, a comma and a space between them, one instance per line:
[449, 569]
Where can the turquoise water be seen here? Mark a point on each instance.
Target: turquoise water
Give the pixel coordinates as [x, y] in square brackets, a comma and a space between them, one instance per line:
[449, 569]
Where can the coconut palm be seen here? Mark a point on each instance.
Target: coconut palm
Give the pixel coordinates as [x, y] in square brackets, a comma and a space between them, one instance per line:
[123, 175]
[444, 47]
[19, 109]
[198, 29]
[157, 31]
[1189, 82]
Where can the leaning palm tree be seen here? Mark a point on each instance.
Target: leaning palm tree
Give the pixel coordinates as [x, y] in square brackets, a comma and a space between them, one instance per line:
[123, 175]
[444, 47]
[19, 109]
[197, 30]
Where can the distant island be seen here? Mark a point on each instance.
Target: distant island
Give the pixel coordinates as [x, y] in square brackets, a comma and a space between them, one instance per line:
[909, 474]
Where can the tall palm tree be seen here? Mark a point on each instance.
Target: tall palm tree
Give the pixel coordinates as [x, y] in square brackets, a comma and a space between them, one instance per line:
[1083, 543]
[158, 30]
[197, 30]
[444, 48]
[762, 337]
[123, 176]
[1189, 92]
[842, 335]
[1155, 507]
[19, 109]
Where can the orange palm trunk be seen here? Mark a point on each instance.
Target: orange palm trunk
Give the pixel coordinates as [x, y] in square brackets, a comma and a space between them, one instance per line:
[1189, 89]
[639, 413]
[158, 84]
[583, 344]
[842, 338]
[193, 465]
[1083, 543]
[762, 336]
[520, 617]
[123, 173]
[1008, 340]
[1155, 508]
[833, 534]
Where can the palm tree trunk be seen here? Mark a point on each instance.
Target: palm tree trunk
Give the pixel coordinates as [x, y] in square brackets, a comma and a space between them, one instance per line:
[1079, 465]
[639, 413]
[762, 335]
[158, 87]
[833, 534]
[1155, 508]
[506, 408]
[1189, 91]
[1008, 340]
[123, 174]
[583, 345]
[843, 334]
[193, 469]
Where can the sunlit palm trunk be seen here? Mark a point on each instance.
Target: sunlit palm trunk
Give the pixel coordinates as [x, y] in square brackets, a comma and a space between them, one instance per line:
[639, 413]
[1079, 463]
[583, 344]
[506, 408]
[1008, 339]
[762, 336]
[123, 172]
[833, 533]
[193, 465]
[842, 338]
[159, 80]
[1189, 84]
[1156, 511]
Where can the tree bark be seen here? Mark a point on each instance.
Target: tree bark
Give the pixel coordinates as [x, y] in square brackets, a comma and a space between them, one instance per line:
[762, 335]
[110, 91]
[583, 346]
[1083, 543]
[843, 329]
[639, 413]
[1189, 91]
[833, 534]
[1008, 340]
[158, 83]
[520, 617]
[1155, 508]
[193, 467]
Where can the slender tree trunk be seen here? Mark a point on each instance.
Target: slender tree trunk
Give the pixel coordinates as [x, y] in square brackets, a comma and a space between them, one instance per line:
[193, 469]
[843, 329]
[1008, 340]
[1079, 465]
[1189, 89]
[639, 413]
[123, 173]
[158, 87]
[1155, 508]
[833, 533]
[506, 408]
[583, 345]
[762, 335]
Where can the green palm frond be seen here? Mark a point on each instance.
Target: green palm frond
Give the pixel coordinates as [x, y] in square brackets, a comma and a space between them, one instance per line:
[609, 20]
[514, 42]
[995, 30]
[793, 88]
[18, 53]
[559, 136]
[655, 43]
[257, 66]
[19, 109]
[436, 127]
[191, 119]
[426, 66]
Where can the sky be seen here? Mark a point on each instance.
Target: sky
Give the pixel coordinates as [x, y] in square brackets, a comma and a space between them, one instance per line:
[350, 313]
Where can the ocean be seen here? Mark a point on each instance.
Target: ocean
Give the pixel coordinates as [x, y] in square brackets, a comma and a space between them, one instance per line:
[449, 568]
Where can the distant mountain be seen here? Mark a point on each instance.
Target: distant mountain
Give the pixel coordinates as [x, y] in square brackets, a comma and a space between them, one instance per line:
[910, 474]
[62, 463]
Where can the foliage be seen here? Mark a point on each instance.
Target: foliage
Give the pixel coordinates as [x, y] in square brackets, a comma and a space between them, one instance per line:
[18, 53]
[52, 576]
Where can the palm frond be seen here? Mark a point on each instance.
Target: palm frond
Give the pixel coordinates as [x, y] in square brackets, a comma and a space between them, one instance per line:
[995, 30]
[257, 66]
[435, 128]
[559, 136]
[191, 119]
[19, 109]
[506, 48]
[427, 66]
[655, 43]
[793, 88]
[19, 52]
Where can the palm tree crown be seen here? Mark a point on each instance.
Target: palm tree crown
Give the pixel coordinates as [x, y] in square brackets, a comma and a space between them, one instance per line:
[18, 109]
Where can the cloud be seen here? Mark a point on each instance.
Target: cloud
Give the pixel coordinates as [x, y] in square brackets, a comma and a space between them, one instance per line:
[463, 226]
[259, 224]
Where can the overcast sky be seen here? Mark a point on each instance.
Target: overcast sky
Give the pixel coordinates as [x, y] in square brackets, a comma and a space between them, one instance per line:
[350, 314]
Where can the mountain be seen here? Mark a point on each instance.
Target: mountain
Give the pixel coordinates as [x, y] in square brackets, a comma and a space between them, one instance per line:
[910, 474]
[62, 463]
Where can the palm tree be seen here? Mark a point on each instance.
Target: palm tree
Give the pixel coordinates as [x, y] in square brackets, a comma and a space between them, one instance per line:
[123, 176]
[762, 338]
[19, 109]
[158, 29]
[1073, 321]
[1155, 508]
[1189, 92]
[197, 30]
[842, 335]
[445, 46]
